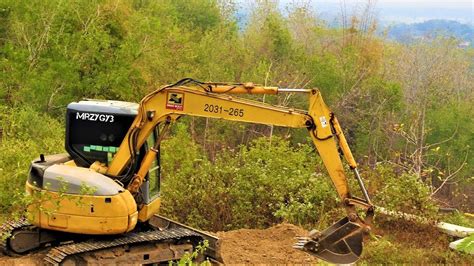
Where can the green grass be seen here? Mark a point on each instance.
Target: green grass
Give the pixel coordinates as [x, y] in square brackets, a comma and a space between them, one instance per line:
[400, 242]
[458, 218]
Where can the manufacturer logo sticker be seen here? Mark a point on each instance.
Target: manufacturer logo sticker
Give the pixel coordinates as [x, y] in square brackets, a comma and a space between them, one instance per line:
[324, 122]
[175, 101]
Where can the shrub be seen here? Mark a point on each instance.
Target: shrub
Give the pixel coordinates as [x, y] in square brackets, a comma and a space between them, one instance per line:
[254, 186]
[458, 218]
[26, 134]
[400, 191]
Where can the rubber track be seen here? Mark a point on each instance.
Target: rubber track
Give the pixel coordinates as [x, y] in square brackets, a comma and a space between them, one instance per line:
[56, 255]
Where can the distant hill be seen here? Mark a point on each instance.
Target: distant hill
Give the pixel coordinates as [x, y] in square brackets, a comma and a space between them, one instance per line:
[432, 28]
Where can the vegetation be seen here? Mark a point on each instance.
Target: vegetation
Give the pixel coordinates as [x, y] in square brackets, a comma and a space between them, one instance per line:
[406, 109]
[189, 259]
[467, 245]
[253, 186]
[409, 32]
[26, 134]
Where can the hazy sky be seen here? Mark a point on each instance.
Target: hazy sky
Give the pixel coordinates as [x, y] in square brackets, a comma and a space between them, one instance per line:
[430, 3]
[390, 11]
[401, 10]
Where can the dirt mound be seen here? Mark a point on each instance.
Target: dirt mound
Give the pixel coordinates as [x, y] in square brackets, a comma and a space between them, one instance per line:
[272, 245]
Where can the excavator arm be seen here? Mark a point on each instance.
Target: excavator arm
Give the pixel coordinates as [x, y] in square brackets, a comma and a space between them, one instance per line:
[340, 243]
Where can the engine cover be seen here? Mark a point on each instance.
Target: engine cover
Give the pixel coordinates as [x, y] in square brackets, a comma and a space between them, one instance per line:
[71, 180]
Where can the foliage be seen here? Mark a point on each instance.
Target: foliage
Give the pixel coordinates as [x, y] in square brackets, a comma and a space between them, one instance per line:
[188, 259]
[389, 250]
[56, 52]
[378, 252]
[251, 186]
[467, 245]
[400, 192]
[266, 182]
[458, 218]
[26, 134]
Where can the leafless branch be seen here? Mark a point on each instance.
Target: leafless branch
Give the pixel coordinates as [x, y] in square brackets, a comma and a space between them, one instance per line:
[444, 141]
[452, 175]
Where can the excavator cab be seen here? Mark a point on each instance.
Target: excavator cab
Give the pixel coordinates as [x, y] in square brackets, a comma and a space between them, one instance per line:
[94, 131]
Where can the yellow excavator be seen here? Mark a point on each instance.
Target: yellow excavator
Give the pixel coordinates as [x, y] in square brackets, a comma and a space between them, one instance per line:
[99, 202]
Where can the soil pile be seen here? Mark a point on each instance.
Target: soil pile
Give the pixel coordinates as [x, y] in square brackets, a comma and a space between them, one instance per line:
[268, 246]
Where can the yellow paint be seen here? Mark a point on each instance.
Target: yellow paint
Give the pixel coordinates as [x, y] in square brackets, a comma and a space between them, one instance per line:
[98, 167]
[326, 144]
[58, 220]
[137, 181]
[70, 163]
[343, 144]
[148, 210]
[82, 214]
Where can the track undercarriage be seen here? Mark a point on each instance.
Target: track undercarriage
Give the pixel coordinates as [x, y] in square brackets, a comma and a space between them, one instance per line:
[160, 241]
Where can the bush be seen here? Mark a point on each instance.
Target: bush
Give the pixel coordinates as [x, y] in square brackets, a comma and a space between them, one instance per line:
[458, 218]
[400, 191]
[26, 134]
[253, 186]
[268, 182]
[274, 180]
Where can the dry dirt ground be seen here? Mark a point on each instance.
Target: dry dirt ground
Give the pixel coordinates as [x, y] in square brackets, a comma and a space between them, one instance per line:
[243, 246]
[33, 259]
[268, 246]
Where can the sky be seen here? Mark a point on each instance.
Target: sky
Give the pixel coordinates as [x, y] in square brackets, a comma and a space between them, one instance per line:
[420, 3]
[406, 11]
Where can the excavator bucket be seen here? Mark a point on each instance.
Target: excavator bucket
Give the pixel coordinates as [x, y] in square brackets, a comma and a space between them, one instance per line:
[341, 243]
